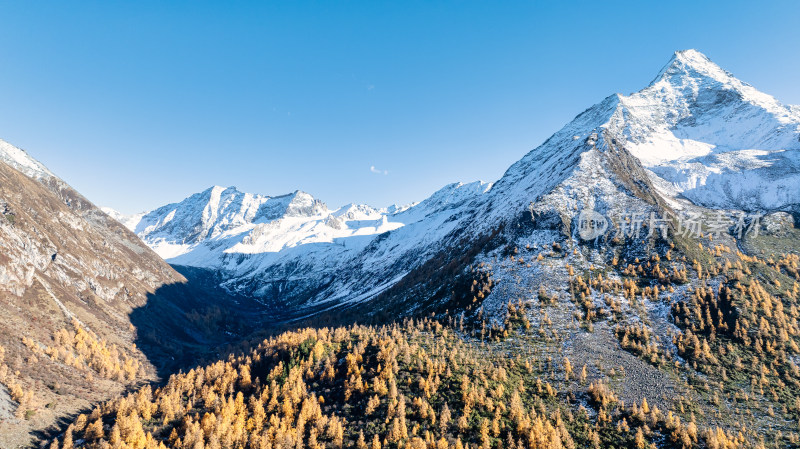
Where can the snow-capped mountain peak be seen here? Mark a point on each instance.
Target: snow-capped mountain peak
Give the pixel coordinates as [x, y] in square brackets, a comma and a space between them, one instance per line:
[713, 138]
[694, 108]
[691, 72]
[302, 204]
[354, 211]
[692, 63]
[699, 132]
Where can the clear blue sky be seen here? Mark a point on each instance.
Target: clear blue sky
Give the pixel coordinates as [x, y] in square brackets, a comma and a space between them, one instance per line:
[137, 104]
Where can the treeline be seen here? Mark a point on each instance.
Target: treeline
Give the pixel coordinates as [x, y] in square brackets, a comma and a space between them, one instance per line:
[75, 347]
[84, 350]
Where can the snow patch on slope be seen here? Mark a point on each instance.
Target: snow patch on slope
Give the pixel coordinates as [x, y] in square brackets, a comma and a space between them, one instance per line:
[23, 162]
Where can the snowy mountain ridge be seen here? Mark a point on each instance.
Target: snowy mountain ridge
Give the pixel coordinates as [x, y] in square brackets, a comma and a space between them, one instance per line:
[242, 234]
[23, 162]
[702, 135]
[220, 213]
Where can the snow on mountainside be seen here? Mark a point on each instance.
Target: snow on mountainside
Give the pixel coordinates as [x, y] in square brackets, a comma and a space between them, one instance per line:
[217, 214]
[265, 243]
[129, 221]
[245, 221]
[21, 161]
[718, 141]
[694, 108]
[694, 133]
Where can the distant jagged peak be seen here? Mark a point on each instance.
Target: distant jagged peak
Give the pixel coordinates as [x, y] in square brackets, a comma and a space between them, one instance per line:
[218, 212]
[303, 204]
[129, 221]
[353, 211]
[398, 208]
[217, 194]
[217, 200]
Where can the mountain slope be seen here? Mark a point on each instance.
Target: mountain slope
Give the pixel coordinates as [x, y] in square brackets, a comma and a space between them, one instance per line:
[22, 161]
[293, 243]
[81, 297]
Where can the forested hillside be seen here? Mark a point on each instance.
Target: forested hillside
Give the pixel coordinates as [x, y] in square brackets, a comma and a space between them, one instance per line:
[439, 384]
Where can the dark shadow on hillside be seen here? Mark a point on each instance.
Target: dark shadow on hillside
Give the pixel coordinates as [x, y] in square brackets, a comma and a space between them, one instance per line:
[61, 424]
[57, 429]
[185, 324]
[181, 326]
[194, 323]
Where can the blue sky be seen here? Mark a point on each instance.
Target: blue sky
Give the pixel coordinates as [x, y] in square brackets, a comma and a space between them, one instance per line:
[137, 104]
